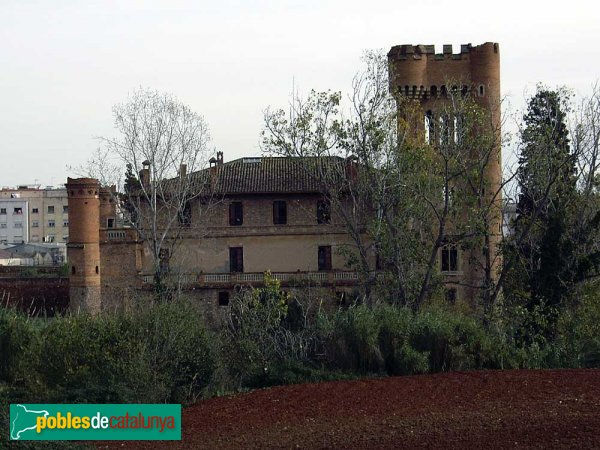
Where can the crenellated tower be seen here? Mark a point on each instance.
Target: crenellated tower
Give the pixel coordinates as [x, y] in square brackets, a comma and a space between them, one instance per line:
[83, 248]
[433, 81]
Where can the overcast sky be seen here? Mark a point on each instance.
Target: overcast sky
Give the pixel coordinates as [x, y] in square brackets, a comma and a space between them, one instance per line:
[63, 64]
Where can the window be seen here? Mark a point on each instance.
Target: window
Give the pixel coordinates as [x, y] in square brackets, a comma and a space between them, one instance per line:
[451, 295]
[236, 259]
[324, 257]
[185, 215]
[223, 298]
[35, 224]
[18, 225]
[50, 238]
[3, 225]
[481, 90]
[110, 223]
[163, 260]
[18, 211]
[34, 210]
[50, 209]
[236, 214]
[323, 211]
[73, 271]
[279, 212]
[65, 224]
[65, 209]
[51, 224]
[449, 258]
[2, 210]
[429, 128]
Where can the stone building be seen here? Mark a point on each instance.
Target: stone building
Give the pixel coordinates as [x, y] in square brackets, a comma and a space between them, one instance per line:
[269, 214]
[435, 81]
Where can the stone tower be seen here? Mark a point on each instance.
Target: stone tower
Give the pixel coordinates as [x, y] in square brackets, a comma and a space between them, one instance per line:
[84, 245]
[418, 73]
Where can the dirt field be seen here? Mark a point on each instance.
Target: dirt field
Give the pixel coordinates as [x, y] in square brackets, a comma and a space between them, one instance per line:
[510, 409]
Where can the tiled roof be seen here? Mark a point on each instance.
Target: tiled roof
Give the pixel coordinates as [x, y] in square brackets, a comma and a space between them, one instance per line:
[262, 175]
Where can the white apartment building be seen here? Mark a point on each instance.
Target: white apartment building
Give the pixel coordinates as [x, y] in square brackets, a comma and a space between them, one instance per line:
[47, 219]
[14, 215]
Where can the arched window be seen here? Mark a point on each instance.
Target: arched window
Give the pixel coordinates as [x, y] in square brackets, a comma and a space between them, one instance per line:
[73, 271]
[481, 90]
[433, 91]
[443, 91]
[407, 90]
[444, 129]
[429, 128]
[414, 91]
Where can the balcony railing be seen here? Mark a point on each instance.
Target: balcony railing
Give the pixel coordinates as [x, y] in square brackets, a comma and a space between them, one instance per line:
[224, 279]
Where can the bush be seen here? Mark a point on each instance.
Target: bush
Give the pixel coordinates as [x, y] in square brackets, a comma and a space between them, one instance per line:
[157, 355]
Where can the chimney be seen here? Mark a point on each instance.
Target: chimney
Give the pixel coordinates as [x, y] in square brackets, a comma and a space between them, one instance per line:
[145, 173]
[351, 168]
[219, 158]
[183, 170]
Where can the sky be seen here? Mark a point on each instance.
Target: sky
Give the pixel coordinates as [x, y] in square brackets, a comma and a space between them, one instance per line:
[64, 64]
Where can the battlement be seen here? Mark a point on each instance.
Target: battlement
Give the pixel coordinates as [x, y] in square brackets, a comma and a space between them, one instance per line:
[409, 51]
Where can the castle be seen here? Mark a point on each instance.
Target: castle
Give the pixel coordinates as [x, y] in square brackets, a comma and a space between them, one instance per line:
[271, 216]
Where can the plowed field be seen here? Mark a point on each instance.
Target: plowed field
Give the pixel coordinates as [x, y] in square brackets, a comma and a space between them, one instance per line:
[479, 410]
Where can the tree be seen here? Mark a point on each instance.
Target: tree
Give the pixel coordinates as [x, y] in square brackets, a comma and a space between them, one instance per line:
[391, 189]
[556, 244]
[160, 141]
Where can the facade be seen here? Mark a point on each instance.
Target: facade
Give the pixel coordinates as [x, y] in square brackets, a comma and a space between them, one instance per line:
[13, 221]
[269, 215]
[47, 212]
[421, 75]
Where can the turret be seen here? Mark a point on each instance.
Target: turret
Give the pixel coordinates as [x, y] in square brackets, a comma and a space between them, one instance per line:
[83, 248]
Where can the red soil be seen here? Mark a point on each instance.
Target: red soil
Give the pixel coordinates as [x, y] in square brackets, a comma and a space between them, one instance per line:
[503, 409]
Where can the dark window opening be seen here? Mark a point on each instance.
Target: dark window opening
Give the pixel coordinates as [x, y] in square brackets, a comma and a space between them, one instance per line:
[433, 91]
[96, 269]
[185, 215]
[464, 90]
[451, 295]
[110, 223]
[50, 209]
[65, 209]
[18, 211]
[73, 270]
[236, 214]
[223, 298]
[236, 259]
[323, 211]
[481, 90]
[443, 91]
[324, 262]
[279, 212]
[34, 211]
[449, 259]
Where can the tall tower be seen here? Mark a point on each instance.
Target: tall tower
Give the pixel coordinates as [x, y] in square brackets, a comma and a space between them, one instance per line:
[83, 248]
[418, 73]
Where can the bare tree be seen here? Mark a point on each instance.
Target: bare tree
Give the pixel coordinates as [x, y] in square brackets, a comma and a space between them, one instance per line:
[161, 141]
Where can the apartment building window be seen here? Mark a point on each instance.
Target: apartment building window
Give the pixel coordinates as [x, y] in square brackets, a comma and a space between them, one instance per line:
[449, 258]
[34, 210]
[324, 262]
[65, 209]
[236, 259]
[17, 211]
[236, 214]
[65, 224]
[323, 211]
[279, 212]
[110, 223]
[18, 225]
[3, 225]
[50, 209]
[50, 238]
[2, 210]
[51, 224]
[35, 224]
[223, 298]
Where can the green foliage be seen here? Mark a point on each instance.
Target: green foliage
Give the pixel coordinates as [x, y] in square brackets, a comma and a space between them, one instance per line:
[156, 355]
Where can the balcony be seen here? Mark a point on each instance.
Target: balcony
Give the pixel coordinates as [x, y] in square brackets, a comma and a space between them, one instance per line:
[225, 280]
